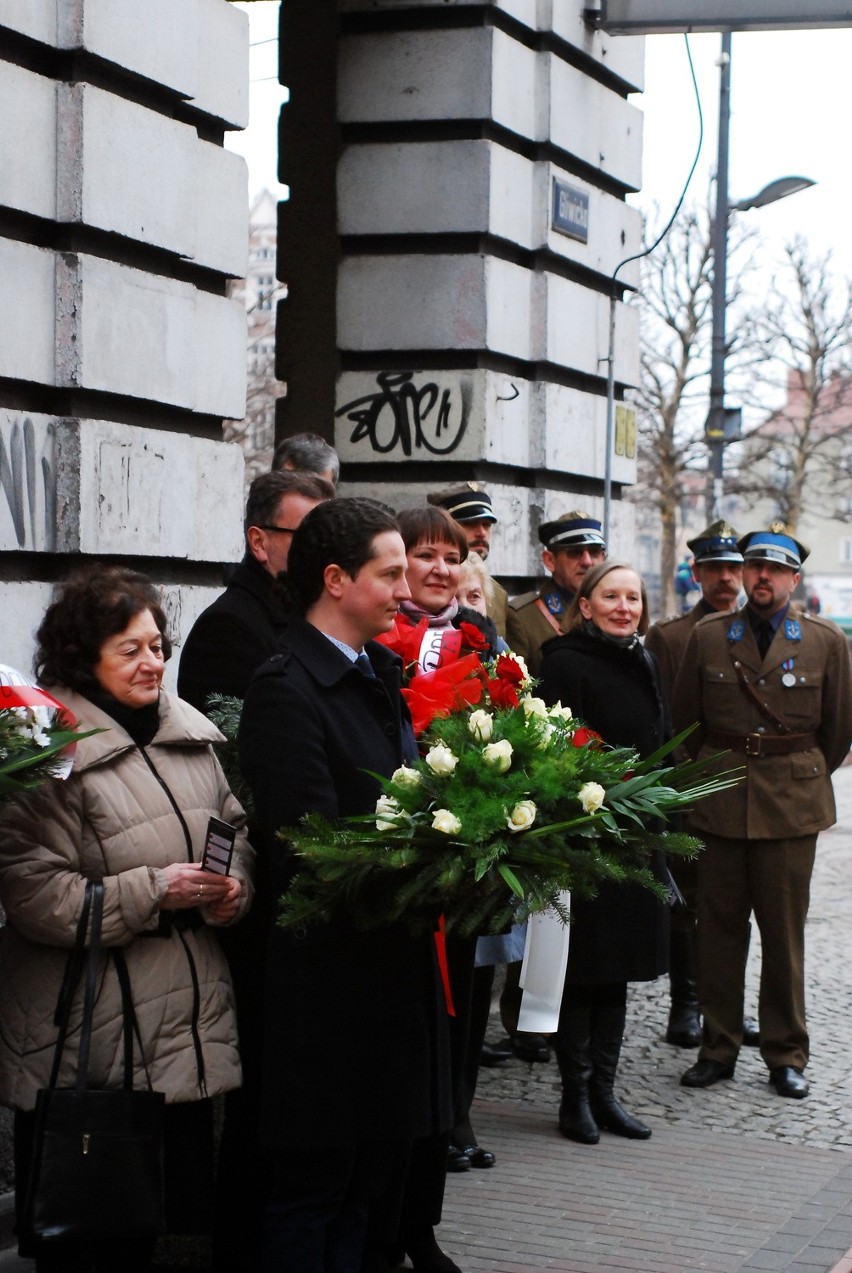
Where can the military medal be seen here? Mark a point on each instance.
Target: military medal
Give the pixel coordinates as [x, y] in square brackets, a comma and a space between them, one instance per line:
[788, 679]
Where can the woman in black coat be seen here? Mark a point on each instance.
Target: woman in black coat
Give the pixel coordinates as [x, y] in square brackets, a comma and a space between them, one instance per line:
[602, 672]
[354, 1021]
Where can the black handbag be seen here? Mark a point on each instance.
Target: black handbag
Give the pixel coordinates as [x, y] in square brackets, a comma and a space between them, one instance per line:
[97, 1168]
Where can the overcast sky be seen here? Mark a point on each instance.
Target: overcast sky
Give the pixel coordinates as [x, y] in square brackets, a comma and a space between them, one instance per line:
[790, 113]
[790, 116]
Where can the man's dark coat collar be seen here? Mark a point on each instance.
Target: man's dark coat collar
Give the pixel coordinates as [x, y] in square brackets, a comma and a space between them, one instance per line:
[255, 579]
[328, 665]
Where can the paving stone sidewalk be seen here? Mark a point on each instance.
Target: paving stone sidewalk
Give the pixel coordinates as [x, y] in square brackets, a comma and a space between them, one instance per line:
[734, 1177]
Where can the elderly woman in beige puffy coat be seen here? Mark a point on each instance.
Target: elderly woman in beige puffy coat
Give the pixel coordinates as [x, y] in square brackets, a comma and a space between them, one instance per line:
[134, 813]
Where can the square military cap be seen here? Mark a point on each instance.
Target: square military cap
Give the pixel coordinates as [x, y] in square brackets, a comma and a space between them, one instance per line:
[572, 530]
[774, 544]
[718, 542]
[467, 503]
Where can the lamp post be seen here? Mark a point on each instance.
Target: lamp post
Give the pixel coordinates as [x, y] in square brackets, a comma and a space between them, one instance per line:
[723, 424]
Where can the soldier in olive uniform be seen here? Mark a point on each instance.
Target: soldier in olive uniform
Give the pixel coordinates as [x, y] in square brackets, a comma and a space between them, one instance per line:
[470, 506]
[718, 566]
[771, 688]
[572, 545]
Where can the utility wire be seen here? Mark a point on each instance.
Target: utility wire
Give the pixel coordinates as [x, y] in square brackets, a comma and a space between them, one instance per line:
[610, 378]
[647, 251]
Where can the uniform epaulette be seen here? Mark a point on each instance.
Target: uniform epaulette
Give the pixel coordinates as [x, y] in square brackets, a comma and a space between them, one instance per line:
[518, 603]
[718, 616]
[822, 620]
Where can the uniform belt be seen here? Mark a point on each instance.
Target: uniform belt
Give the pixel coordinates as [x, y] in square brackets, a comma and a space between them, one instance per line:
[762, 744]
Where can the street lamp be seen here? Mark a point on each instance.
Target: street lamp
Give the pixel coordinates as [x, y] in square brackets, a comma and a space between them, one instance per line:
[723, 424]
[776, 190]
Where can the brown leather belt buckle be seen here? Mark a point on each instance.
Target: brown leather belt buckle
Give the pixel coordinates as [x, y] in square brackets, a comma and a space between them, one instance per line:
[753, 744]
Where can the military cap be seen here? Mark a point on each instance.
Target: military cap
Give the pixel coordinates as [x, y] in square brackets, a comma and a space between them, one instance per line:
[717, 542]
[572, 530]
[467, 503]
[773, 544]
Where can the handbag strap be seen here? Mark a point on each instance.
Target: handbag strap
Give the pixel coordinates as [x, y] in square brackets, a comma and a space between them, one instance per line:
[93, 905]
[90, 985]
[73, 968]
[131, 1025]
[73, 965]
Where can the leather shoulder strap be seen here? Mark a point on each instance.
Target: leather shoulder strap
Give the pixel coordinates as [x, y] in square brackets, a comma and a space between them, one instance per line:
[751, 694]
[550, 618]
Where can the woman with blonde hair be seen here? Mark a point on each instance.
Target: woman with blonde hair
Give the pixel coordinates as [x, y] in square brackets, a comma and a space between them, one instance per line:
[601, 670]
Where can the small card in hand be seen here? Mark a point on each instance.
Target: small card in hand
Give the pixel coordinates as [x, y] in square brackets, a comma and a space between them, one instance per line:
[219, 846]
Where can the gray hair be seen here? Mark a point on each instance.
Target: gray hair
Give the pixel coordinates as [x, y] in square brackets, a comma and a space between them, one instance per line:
[308, 453]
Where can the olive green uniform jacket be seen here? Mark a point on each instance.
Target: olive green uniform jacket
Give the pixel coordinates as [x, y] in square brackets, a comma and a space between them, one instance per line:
[668, 639]
[497, 606]
[528, 626]
[782, 796]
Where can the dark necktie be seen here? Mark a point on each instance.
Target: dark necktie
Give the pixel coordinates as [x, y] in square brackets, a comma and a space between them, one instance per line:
[765, 633]
[363, 663]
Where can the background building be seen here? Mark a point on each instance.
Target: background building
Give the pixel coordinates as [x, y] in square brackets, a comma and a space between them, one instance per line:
[259, 291]
[122, 219]
[456, 216]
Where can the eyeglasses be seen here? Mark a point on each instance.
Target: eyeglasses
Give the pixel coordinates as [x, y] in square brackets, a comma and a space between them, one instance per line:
[577, 550]
[282, 530]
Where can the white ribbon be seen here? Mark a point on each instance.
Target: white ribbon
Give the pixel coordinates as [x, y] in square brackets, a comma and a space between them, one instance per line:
[543, 970]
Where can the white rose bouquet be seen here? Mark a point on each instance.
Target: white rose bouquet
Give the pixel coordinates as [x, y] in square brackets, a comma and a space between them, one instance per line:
[513, 803]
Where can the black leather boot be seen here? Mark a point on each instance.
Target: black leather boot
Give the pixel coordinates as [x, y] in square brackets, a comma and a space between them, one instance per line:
[608, 1016]
[575, 1068]
[684, 1016]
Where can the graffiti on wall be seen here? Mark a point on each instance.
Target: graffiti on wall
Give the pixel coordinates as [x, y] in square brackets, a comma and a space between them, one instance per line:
[404, 416]
[27, 483]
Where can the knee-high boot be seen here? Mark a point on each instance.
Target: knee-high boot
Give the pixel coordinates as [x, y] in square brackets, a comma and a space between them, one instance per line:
[684, 1029]
[573, 1053]
[608, 1017]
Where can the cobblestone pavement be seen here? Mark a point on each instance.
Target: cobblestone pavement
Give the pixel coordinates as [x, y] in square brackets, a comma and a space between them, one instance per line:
[650, 1068]
[734, 1178]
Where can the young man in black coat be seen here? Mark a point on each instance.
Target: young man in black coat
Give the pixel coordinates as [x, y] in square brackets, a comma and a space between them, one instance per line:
[319, 720]
[226, 645]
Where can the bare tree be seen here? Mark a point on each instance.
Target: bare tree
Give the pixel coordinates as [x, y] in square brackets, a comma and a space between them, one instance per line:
[801, 452]
[675, 303]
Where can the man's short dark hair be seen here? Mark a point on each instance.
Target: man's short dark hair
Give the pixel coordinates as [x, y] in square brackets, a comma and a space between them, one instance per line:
[307, 453]
[266, 491]
[339, 532]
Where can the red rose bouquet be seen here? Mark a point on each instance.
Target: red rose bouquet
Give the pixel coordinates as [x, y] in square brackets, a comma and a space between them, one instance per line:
[512, 803]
